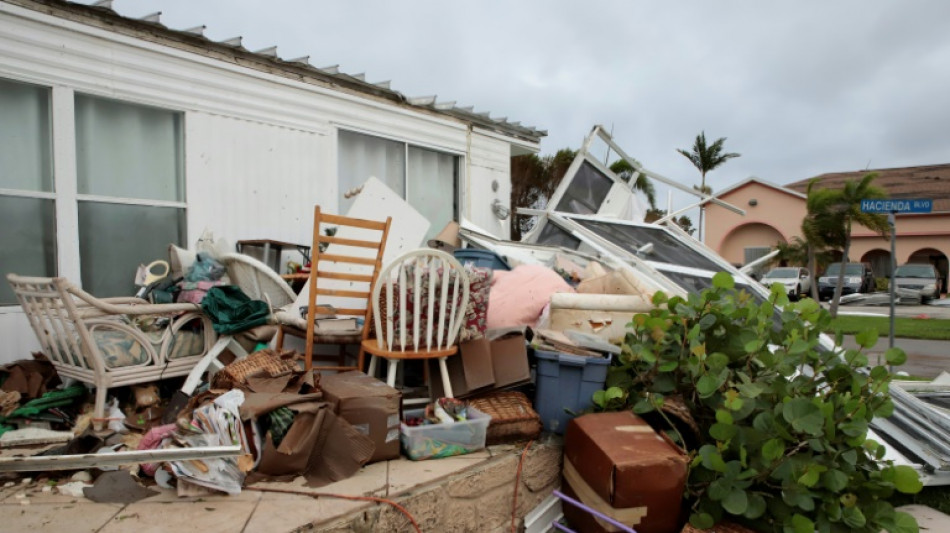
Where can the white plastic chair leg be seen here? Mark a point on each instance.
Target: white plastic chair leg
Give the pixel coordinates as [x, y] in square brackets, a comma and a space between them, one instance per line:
[211, 358]
[391, 372]
[446, 384]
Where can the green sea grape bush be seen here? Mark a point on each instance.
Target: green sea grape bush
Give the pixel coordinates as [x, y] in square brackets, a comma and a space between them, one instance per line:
[783, 424]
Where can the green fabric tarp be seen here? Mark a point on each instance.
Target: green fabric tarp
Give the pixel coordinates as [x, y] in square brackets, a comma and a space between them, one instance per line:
[232, 311]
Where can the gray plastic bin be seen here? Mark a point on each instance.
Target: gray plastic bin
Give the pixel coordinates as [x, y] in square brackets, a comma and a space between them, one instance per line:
[566, 381]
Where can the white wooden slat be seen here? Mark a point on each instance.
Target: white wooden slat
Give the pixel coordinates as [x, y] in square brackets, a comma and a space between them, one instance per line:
[431, 323]
[416, 303]
[402, 307]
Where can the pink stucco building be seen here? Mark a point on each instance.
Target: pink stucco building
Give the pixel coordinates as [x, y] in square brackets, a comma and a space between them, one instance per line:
[774, 213]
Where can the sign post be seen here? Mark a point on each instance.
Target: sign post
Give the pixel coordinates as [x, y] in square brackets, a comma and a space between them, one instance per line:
[892, 207]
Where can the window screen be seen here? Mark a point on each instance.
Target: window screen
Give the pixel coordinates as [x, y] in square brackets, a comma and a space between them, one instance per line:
[666, 248]
[586, 192]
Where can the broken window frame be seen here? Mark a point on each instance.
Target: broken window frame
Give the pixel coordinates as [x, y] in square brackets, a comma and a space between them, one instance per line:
[405, 189]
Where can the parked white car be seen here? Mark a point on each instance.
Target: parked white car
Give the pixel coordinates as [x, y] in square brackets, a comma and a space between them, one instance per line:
[797, 280]
[919, 277]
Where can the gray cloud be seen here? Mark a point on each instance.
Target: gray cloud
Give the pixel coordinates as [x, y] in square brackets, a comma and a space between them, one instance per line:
[799, 88]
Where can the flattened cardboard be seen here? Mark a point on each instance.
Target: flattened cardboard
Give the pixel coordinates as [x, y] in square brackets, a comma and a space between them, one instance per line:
[477, 363]
[370, 406]
[503, 351]
[627, 465]
[509, 358]
[319, 445]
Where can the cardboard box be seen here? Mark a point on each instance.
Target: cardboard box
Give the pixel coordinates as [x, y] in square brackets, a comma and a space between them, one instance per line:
[497, 360]
[617, 464]
[509, 356]
[369, 405]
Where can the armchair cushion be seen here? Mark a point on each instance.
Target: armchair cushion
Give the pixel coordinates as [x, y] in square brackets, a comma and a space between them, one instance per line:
[122, 346]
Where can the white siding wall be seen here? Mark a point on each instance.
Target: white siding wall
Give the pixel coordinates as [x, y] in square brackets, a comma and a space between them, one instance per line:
[260, 149]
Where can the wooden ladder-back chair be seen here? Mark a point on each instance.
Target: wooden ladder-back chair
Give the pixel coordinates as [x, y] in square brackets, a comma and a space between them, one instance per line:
[424, 297]
[342, 275]
[111, 342]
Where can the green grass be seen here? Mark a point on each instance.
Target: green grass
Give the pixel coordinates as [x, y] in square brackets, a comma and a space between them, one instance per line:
[907, 328]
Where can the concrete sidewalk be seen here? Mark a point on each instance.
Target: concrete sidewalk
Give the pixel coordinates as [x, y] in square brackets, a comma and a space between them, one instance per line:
[468, 492]
[925, 358]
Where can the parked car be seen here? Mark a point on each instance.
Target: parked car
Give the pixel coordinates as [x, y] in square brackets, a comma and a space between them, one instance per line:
[857, 278]
[797, 280]
[919, 277]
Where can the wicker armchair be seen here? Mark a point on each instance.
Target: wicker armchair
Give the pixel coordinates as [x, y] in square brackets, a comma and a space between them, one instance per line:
[111, 342]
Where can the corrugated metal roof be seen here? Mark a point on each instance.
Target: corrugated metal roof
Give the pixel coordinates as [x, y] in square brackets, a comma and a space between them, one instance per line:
[298, 68]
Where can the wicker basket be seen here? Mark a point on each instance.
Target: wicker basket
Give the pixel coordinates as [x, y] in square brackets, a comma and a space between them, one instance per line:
[268, 362]
[512, 418]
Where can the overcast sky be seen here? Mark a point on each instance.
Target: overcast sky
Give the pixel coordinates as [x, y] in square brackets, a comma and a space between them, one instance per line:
[798, 88]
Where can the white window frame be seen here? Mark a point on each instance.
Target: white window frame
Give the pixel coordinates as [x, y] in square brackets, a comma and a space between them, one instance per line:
[65, 193]
[460, 167]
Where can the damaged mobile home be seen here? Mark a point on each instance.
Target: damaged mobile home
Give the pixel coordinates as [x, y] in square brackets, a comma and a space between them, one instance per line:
[513, 337]
[128, 120]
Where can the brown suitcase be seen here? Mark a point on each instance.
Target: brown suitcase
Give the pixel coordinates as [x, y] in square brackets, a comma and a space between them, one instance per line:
[615, 463]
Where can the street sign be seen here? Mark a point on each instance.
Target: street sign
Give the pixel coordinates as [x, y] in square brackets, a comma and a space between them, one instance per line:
[902, 205]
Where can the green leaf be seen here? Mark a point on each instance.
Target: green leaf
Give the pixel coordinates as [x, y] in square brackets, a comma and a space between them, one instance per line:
[598, 398]
[866, 338]
[613, 392]
[732, 401]
[712, 460]
[723, 280]
[750, 390]
[773, 449]
[895, 356]
[804, 416]
[659, 298]
[801, 524]
[706, 386]
[903, 523]
[701, 520]
[835, 480]
[906, 480]
[723, 432]
[753, 346]
[723, 416]
[736, 502]
[707, 321]
[853, 517]
[798, 346]
[756, 508]
[668, 366]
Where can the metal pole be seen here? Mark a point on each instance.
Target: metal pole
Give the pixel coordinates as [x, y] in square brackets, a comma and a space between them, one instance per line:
[893, 287]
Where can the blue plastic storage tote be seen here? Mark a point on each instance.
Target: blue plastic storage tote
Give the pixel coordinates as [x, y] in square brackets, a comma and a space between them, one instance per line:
[566, 381]
[481, 258]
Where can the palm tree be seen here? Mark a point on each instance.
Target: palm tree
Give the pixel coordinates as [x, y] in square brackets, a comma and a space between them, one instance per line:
[624, 170]
[820, 228]
[706, 158]
[794, 253]
[838, 210]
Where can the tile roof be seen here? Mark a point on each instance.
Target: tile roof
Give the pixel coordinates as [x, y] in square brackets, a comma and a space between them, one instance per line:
[267, 59]
[928, 181]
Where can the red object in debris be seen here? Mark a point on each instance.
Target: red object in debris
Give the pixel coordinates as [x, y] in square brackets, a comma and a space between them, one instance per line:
[922, 316]
[617, 464]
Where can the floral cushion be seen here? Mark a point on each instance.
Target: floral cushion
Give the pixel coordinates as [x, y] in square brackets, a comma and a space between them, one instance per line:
[473, 321]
